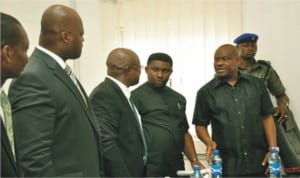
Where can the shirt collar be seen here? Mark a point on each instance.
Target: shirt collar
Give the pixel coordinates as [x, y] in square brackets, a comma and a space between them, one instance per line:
[123, 87]
[241, 76]
[254, 66]
[58, 59]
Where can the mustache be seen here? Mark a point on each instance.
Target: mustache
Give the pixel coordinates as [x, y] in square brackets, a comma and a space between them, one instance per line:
[248, 57]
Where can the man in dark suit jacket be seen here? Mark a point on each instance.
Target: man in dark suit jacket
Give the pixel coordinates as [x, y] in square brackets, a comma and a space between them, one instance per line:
[123, 148]
[13, 57]
[56, 132]
[8, 163]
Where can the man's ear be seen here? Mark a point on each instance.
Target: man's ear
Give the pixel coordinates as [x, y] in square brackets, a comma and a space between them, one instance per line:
[146, 69]
[6, 53]
[64, 37]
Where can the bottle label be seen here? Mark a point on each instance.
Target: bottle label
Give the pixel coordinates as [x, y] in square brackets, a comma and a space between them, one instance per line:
[216, 170]
[275, 168]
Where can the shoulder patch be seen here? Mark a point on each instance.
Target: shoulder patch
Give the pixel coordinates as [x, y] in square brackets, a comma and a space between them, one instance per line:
[264, 62]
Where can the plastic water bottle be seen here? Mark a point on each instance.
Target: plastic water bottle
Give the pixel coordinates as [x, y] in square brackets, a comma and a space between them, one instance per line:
[274, 164]
[216, 165]
[196, 173]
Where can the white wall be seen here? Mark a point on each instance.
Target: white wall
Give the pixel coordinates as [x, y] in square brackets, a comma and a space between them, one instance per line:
[276, 21]
[90, 68]
[278, 26]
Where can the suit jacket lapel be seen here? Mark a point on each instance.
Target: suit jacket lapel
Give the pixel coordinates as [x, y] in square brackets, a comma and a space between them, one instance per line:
[124, 100]
[6, 144]
[60, 74]
[63, 76]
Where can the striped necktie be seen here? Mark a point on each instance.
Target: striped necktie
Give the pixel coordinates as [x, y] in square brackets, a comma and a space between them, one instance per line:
[5, 104]
[141, 130]
[74, 79]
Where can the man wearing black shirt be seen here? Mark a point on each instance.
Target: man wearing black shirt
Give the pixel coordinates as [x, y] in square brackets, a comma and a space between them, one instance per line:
[240, 112]
[162, 111]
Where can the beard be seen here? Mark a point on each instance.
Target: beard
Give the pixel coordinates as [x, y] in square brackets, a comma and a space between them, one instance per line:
[249, 57]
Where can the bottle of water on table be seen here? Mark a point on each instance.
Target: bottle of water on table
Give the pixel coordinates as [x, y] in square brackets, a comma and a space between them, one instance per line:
[216, 165]
[196, 172]
[274, 163]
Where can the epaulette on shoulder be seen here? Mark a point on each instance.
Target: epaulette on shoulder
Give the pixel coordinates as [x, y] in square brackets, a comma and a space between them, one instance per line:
[264, 62]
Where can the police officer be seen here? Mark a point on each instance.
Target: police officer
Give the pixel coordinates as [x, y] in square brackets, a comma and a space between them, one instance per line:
[246, 44]
[288, 139]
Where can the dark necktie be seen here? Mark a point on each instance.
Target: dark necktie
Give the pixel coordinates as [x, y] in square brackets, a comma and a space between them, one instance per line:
[5, 104]
[74, 79]
[141, 130]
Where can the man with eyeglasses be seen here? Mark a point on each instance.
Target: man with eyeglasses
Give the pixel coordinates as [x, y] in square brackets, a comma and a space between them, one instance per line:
[123, 142]
[13, 58]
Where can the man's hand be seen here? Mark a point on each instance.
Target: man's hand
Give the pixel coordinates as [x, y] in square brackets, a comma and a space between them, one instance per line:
[265, 162]
[283, 104]
[197, 162]
[209, 150]
[281, 113]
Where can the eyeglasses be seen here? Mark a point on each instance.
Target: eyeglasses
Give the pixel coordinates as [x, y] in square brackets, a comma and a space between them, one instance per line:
[136, 66]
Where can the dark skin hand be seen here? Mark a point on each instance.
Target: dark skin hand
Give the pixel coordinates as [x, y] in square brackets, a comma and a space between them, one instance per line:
[209, 150]
[281, 112]
[264, 163]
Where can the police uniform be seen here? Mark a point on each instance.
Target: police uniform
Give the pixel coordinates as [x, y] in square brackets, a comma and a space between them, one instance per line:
[264, 70]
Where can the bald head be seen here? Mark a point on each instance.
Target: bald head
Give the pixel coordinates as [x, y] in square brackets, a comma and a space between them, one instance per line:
[120, 58]
[124, 65]
[226, 62]
[58, 18]
[229, 48]
[59, 23]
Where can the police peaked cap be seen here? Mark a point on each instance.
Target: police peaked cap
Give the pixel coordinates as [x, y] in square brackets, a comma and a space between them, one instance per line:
[246, 37]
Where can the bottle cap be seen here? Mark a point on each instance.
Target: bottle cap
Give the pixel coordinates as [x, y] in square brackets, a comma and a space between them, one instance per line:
[196, 168]
[274, 149]
[216, 151]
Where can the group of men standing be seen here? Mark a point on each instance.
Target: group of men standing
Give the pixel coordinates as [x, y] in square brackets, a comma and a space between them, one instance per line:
[51, 128]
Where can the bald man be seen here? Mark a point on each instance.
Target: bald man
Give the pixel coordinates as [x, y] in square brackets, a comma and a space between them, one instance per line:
[124, 152]
[56, 132]
[239, 110]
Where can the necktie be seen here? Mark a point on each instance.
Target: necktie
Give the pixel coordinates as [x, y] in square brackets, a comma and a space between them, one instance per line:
[73, 77]
[5, 104]
[141, 130]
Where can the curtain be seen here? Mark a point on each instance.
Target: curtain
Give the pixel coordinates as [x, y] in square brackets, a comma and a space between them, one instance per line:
[188, 30]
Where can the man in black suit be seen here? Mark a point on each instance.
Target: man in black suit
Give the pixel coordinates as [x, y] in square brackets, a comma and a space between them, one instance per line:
[124, 152]
[13, 56]
[55, 129]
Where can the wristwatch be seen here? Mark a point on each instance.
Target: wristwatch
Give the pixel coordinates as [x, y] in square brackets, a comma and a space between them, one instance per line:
[194, 160]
